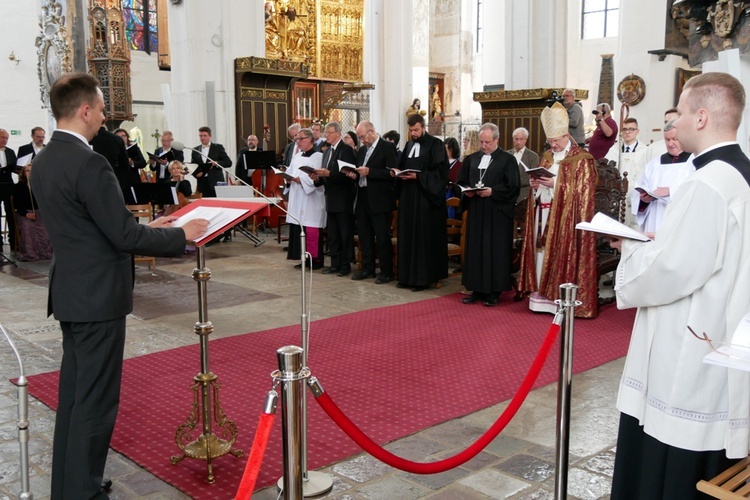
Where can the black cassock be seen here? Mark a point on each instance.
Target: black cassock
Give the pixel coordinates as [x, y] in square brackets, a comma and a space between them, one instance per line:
[422, 215]
[488, 250]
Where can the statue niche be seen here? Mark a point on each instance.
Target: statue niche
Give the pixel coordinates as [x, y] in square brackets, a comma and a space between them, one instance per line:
[286, 31]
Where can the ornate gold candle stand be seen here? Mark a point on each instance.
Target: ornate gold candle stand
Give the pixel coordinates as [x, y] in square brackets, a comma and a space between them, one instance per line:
[208, 445]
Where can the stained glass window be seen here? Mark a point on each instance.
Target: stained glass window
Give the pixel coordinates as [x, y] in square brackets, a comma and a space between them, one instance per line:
[140, 24]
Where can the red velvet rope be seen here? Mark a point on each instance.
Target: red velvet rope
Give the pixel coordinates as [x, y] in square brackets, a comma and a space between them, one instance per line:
[245, 491]
[389, 458]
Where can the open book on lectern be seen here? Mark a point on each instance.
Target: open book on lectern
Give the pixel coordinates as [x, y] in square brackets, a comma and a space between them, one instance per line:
[221, 215]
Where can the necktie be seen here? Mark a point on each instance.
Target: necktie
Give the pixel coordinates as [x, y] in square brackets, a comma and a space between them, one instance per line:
[627, 149]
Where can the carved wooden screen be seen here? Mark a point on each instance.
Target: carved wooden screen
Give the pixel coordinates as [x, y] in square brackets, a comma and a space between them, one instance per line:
[510, 109]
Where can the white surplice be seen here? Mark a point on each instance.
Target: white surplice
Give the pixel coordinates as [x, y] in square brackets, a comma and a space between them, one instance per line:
[696, 273]
[656, 175]
[307, 202]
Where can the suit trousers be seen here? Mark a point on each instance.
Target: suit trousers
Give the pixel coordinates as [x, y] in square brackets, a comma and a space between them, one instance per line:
[6, 191]
[341, 239]
[374, 232]
[89, 396]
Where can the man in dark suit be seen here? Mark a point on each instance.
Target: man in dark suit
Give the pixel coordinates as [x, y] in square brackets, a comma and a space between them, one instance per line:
[376, 201]
[210, 158]
[113, 149]
[36, 144]
[7, 167]
[240, 169]
[340, 191]
[165, 155]
[90, 282]
[523, 155]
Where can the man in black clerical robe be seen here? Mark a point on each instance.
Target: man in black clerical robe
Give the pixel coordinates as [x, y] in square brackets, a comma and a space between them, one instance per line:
[422, 233]
[488, 251]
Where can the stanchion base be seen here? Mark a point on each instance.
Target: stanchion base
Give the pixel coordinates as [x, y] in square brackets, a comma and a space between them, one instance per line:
[316, 484]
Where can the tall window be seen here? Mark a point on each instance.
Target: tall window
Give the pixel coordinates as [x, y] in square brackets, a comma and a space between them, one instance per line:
[600, 18]
[140, 24]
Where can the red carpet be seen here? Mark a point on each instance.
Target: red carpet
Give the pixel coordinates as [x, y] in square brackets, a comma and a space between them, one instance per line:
[393, 371]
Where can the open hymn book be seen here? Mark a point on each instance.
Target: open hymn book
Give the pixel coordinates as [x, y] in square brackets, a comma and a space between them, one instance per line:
[606, 225]
[736, 354]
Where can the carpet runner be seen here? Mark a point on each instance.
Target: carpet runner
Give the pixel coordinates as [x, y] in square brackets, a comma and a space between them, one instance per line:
[393, 370]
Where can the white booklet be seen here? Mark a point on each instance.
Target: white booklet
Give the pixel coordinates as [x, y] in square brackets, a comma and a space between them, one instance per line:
[604, 224]
[734, 355]
[651, 194]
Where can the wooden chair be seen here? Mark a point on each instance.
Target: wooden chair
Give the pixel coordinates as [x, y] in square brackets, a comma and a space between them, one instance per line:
[144, 211]
[610, 197]
[456, 229]
[733, 483]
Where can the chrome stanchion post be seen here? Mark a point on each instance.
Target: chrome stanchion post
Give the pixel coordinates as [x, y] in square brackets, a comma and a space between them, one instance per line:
[23, 423]
[290, 374]
[566, 313]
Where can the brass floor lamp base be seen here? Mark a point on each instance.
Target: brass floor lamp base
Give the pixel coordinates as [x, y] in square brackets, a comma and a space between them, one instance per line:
[206, 412]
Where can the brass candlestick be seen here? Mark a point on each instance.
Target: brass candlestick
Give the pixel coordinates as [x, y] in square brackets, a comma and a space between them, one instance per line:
[208, 445]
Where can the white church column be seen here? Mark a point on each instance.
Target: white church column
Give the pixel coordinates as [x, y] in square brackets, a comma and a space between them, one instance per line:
[537, 45]
[420, 56]
[388, 63]
[205, 38]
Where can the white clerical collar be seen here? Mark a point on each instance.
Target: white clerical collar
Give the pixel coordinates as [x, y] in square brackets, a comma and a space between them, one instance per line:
[414, 153]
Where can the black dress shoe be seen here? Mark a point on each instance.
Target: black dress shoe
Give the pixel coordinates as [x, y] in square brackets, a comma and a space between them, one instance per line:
[419, 288]
[383, 278]
[316, 265]
[330, 270]
[298, 266]
[362, 275]
[470, 299]
[106, 485]
[227, 238]
[492, 301]
[401, 285]
[344, 272]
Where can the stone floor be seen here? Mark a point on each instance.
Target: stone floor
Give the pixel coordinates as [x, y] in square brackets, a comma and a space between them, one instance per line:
[519, 464]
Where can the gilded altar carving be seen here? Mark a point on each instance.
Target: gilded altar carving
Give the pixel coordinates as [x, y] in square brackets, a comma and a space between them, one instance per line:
[712, 27]
[327, 35]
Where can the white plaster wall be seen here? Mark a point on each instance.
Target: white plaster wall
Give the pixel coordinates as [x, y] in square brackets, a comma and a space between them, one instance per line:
[205, 38]
[20, 99]
[146, 77]
[494, 43]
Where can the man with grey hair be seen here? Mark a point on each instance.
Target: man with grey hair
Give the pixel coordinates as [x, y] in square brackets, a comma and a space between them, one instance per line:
[340, 190]
[606, 131]
[660, 179]
[525, 157]
[292, 148]
[492, 174]
[575, 115]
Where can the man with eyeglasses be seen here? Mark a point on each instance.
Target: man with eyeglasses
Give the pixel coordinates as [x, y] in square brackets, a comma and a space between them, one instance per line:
[575, 117]
[629, 157]
[682, 420]
[307, 203]
[606, 131]
[563, 195]
[36, 144]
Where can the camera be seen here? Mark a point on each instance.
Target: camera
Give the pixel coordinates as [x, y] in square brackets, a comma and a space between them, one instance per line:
[555, 98]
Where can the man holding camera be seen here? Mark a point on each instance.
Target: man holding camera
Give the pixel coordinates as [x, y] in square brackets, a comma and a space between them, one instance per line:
[605, 134]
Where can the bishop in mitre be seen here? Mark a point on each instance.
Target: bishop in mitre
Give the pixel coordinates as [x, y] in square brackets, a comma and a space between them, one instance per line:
[554, 251]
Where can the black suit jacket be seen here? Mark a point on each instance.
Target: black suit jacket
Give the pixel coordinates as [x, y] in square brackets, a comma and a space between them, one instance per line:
[211, 173]
[5, 172]
[340, 189]
[112, 148]
[165, 176]
[381, 196]
[27, 149]
[92, 233]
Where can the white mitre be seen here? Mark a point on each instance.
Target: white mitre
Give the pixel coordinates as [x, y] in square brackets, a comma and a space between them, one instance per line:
[555, 120]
